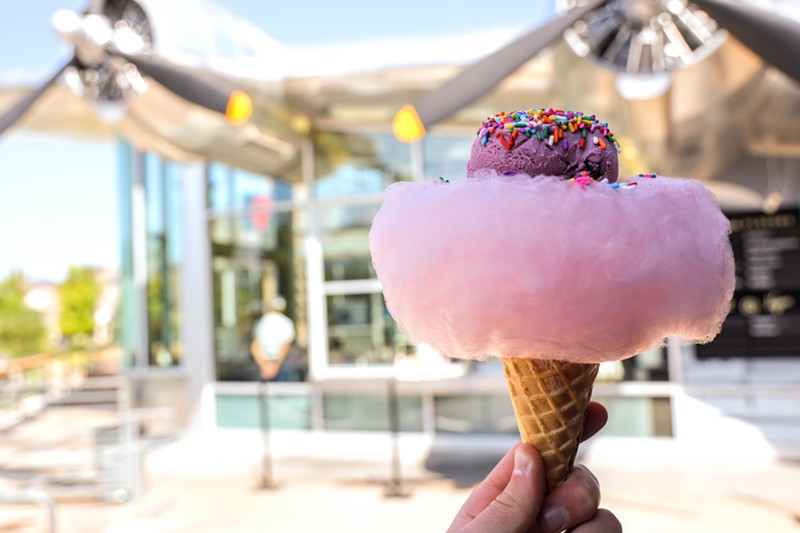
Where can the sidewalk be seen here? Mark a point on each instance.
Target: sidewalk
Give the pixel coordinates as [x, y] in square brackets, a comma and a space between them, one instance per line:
[333, 483]
[653, 486]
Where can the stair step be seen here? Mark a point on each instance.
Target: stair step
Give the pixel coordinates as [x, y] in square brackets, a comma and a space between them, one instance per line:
[89, 397]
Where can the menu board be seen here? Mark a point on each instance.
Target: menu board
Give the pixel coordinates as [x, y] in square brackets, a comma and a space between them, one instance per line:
[765, 313]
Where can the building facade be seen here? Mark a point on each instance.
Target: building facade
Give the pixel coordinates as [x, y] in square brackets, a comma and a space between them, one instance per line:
[208, 245]
[219, 219]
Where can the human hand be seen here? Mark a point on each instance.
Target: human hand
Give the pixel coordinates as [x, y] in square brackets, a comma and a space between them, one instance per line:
[269, 369]
[512, 497]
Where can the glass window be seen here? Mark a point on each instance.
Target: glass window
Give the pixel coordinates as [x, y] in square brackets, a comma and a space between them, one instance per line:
[361, 331]
[345, 241]
[220, 187]
[349, 164]
[236, 189]
[285, 412]
[447, 156]
[646, 366]
[128, 302]
[475, 414]
[246, 278]
[370, 412]
[488, 414]
[163, 259]
[638, 417]
[254, 260]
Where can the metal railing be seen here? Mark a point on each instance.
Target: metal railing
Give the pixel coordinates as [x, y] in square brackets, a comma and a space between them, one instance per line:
[105, 452]
[35, 497]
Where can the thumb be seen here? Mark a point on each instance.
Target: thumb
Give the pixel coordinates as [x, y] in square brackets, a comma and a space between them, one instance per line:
[516, 508]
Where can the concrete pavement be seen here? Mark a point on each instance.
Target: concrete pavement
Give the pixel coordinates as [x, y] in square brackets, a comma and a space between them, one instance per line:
[652, 485]
[333, 483]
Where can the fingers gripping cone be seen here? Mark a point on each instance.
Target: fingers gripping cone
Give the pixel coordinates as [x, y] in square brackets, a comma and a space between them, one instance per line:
[550, 400]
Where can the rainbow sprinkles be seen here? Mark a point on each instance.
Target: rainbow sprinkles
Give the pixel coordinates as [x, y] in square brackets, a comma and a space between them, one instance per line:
[548, 126]
[584, 180]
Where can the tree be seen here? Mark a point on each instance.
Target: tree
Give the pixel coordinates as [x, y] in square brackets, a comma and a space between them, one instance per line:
[78, 295]
[22, 330]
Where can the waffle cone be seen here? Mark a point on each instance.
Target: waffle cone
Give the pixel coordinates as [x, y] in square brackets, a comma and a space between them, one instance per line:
[550, 400]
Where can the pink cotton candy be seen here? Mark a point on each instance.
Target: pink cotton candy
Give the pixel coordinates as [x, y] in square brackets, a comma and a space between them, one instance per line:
[542, 268]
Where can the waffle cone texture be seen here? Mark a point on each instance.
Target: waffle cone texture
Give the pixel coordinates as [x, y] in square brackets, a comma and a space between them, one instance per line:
[550, 400]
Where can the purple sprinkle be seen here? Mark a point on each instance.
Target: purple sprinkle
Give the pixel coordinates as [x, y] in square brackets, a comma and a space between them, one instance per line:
[565, 144]
[509, 172]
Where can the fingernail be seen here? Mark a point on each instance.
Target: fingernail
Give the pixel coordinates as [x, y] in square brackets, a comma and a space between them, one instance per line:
[522, 463]
[554, 519]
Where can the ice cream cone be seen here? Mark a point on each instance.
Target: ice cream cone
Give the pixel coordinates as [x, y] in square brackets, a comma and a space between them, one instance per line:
[550, 400]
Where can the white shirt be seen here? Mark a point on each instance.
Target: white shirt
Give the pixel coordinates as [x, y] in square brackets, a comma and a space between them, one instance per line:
[272, 331]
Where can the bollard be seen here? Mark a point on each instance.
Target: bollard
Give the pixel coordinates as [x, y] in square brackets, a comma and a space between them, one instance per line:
[395, 487]
[267, 481]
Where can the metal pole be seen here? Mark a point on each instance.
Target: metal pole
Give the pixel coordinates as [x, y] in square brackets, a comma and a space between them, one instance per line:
[267, 480]
[36, 497]
[395, 486]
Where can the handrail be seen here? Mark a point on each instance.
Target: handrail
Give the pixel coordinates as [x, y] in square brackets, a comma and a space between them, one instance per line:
[29, 362]
[19, 387]
[9, 366]
[36, 497]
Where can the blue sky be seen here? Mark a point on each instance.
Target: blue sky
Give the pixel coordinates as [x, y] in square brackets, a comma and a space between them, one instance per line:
[58, 196]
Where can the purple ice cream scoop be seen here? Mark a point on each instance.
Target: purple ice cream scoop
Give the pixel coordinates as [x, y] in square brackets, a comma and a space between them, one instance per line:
[545, 142]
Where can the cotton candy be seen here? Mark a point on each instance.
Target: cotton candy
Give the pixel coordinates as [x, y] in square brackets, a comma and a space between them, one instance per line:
[514, 266]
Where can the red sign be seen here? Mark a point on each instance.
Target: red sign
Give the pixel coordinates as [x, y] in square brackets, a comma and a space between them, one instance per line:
[260, 211]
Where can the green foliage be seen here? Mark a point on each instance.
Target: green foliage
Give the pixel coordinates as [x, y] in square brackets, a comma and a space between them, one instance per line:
[155, 304]
[22, 331]
[78, 294]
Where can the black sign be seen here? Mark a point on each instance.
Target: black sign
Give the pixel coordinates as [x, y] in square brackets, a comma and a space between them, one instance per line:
[765, 313]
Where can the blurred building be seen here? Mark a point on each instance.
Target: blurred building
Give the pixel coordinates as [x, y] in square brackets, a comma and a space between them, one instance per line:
[218, 219]
[42, 296]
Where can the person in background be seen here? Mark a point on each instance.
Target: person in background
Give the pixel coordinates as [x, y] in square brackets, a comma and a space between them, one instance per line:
[273, 336]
